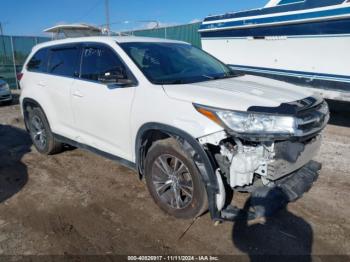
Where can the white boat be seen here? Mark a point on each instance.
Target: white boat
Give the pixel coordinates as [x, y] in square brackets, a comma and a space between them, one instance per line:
[301, 41]
[73, 30]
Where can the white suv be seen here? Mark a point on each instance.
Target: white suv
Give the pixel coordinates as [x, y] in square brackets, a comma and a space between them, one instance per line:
[195, 129]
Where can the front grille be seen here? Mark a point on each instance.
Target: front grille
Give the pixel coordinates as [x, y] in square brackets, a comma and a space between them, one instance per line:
[312, 120]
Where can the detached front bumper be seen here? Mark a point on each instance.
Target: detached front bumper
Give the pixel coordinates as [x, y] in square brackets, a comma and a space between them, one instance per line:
[299, 182]
[243, 163]
[276, 169]
[265, 201]
[275, 173]
[290, 156]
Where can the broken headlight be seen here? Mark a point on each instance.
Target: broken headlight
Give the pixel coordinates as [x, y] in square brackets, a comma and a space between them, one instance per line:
[250, 122]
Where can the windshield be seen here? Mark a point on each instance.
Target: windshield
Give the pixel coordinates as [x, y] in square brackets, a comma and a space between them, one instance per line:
[175, 63]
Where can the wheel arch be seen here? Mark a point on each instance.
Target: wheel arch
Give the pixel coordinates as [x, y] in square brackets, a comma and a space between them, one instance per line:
[29, 102]
[152, 132]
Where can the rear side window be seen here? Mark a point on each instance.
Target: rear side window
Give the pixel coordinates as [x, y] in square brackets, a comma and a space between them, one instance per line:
[100, 64]
[64, 61]
[38, 63]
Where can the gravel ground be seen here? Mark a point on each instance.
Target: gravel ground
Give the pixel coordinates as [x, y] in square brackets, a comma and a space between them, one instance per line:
[79, 203]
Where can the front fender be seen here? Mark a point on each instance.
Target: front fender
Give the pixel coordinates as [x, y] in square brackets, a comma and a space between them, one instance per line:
[203, 162]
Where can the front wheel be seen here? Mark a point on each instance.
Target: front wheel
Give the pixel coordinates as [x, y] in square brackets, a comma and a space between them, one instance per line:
[174, 181]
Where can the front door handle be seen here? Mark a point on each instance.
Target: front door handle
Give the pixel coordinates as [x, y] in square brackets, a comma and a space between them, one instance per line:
[78, 94]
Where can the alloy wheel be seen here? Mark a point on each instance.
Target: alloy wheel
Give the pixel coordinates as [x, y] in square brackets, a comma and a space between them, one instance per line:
[38, 132]
[172, 181]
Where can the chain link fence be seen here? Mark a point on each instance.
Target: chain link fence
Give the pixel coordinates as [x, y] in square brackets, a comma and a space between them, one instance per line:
[13, 53]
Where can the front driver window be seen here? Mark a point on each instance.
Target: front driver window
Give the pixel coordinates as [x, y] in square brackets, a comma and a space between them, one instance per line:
[101, 64]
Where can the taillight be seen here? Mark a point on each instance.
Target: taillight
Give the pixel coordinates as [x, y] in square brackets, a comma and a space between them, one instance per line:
[19, 76]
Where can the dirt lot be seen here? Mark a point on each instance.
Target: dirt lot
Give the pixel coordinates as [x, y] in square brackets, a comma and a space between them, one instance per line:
[80, 203]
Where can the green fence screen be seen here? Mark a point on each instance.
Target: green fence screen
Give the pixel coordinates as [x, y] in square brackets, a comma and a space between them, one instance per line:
[188, 33]
[13, 53]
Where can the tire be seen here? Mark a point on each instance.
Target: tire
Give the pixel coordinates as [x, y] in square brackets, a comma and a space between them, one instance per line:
[171, 172]
[41, 134]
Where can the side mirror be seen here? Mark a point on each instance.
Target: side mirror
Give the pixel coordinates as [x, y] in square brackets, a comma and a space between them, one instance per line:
[121, 83]
[114, 75]
[108, 78]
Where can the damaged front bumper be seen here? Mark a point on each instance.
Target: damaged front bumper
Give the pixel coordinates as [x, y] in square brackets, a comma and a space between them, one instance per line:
[265, 201]
[242, 163]
[275, 172]
[250, 155]
[290, 156]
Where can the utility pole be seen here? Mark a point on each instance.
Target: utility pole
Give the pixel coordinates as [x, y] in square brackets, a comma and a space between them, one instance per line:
[107, 17]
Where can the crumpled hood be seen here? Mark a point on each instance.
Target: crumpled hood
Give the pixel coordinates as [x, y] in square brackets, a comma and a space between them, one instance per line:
[238, 93]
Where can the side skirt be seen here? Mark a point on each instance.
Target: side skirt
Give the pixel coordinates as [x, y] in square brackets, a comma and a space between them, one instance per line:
[117, 159]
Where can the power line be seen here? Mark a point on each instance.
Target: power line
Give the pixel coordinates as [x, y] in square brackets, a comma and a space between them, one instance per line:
[96, 4]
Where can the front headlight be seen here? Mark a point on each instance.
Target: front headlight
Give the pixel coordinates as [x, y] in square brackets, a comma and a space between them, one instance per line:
[5, 87]
[249, 122]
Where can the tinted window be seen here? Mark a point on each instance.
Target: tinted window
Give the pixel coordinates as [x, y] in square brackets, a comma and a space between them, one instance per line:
[173, 63]
[102, 64]
[38, 63]
[64, 61]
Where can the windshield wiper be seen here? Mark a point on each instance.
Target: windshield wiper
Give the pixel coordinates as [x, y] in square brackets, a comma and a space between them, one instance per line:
[187, 81]
[209, 77]
[229, 75]
[171, 82]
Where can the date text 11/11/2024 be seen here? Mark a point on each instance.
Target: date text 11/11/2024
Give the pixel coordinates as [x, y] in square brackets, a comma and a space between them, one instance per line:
[173, 258]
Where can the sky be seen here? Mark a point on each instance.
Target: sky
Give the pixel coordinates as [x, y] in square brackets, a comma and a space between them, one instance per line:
[31, 17]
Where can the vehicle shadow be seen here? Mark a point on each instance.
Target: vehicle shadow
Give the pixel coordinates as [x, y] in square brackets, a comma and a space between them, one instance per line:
[14, 144]
[281, 237]
[340, 113]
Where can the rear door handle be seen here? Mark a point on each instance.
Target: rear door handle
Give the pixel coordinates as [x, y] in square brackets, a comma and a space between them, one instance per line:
[78, 94]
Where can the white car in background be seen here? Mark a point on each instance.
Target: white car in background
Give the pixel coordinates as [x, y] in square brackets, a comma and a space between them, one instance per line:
[188, 124]
[5, 92]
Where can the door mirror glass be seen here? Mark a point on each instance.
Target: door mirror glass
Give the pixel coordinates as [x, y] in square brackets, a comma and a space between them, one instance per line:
[113, 76]
[120, 83]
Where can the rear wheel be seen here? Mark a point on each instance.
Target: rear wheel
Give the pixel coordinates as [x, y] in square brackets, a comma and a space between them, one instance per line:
[174, 180]
[41, 134]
